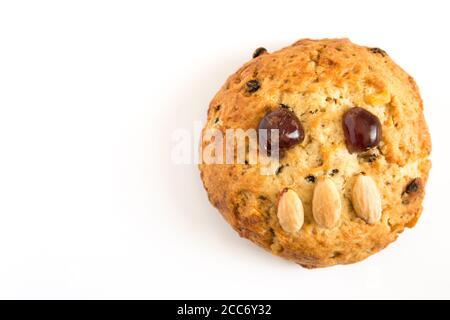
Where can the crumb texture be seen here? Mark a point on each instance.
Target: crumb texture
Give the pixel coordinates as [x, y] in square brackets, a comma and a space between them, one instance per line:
[319, 80]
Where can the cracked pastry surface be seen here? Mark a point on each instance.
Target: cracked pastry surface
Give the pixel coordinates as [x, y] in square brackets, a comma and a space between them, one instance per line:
[319, 80]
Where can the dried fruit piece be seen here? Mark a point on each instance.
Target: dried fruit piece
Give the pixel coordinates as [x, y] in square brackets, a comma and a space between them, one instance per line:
[366, 199]
[290, 130]
[362, 129]
[378, 51]
[412, 191]
[280, 168]
[413, 186]
[259, 52]
[334, 172]
[252, 86]
[310, 178]
[326, 203]
[290, 211]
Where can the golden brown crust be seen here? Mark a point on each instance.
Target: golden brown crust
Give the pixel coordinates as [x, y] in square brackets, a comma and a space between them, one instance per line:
[319, 80]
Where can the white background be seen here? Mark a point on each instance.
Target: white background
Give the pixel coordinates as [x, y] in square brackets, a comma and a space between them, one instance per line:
[91, 205]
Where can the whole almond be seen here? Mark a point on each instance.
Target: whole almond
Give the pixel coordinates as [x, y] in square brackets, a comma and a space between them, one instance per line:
[326, 204]
[366, 199]
[290, 211]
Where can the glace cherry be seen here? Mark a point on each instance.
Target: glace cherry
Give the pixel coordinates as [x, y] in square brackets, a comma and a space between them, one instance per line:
[290, 130]
[362, 129]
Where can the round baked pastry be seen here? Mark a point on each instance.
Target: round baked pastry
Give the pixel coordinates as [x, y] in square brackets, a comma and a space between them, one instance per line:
[348, 169]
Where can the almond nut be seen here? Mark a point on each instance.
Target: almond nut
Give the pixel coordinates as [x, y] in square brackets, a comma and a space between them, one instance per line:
[366, 199]
[326, 204]
[290, 211]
